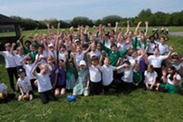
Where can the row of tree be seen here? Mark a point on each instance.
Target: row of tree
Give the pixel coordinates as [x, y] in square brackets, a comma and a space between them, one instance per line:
[155, 19]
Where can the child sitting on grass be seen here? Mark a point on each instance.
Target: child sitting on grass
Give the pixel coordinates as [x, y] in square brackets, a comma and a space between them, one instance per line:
[4, 96]
[150, 77]
[137, 75]
[24, 85]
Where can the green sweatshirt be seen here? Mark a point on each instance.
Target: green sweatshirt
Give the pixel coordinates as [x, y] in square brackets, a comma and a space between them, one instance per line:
[137, 77]
[113, 56]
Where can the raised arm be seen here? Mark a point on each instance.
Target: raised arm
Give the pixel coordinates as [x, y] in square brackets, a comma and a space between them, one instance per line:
[169, 53]
[48, 27]
[137, 28]
[147, 28]
[58, 28]
[128, 27]
[119, 67]
[116, 27]
[22, 62]
[12, 48]
[34, 69]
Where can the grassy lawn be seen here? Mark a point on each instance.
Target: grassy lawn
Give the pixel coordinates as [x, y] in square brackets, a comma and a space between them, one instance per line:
[138, 106]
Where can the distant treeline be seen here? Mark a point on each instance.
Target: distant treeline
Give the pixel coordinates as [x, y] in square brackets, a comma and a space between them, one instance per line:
[155, 19]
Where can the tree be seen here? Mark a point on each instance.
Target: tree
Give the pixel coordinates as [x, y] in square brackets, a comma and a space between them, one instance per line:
[81, 21]
[145, 13]
[98, 22]
[111, 19]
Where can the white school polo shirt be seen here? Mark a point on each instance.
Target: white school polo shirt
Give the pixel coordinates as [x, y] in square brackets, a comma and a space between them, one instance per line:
[150, 77]
[9, 59]
[24, 84]
[172, 81]
[155, 60]
[95, 74]
[2, 87]
[44, 83]
[107, 74]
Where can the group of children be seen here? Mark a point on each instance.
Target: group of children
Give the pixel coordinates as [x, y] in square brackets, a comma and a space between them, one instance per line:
[86, 63]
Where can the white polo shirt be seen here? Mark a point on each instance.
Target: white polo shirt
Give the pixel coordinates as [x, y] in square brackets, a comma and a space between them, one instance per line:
[18, 58]
[155, 60]
[24, 84]
[28, 69]
[43, 55]
[121, 46]
[132, 60]
[95, 53]
[163, 48]
[128, 75]
[107, 74]
[9, 59]
[62, 55]
[151, 47]
[95, 74]
[44, 83]
[172, 81]
[79, 57]
[108, 44]
[2, 87]
[150, 77]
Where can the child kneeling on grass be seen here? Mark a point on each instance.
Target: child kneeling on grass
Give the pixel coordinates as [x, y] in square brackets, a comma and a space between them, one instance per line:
[45, 88]
[24, 85]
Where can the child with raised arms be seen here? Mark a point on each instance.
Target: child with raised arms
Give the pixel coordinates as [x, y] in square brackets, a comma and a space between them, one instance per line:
[45, 88]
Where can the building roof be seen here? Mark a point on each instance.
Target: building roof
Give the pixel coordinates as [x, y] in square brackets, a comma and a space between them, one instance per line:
[7, 20]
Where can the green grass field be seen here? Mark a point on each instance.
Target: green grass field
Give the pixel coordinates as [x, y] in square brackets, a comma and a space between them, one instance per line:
[138, 106]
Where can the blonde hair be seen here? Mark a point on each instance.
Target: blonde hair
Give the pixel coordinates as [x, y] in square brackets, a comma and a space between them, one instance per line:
[7, 44]
[135, 64]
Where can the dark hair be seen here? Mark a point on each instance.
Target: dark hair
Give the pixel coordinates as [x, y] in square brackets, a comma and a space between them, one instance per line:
[172, 74]
[175, 57]
[127, 62]
[156, 48]
[156, 34]
[113, 45]
[94, 58]
[163, 37]
[41, 46]
[62, 46]
[27, 41]
[85, 46]
[151, 36]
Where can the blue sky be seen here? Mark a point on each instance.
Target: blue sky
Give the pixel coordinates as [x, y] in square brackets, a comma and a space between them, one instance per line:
[93, 9]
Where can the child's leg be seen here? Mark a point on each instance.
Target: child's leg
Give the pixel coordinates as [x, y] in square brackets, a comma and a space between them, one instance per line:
[44, 98]
[20, 97]
[51, 95]
[57, 91]
[32, 84]
[35, 83]
[62, 91]
[118, 85]
[10, 75]
[31, 95]
[157, 86]
[86, 92]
